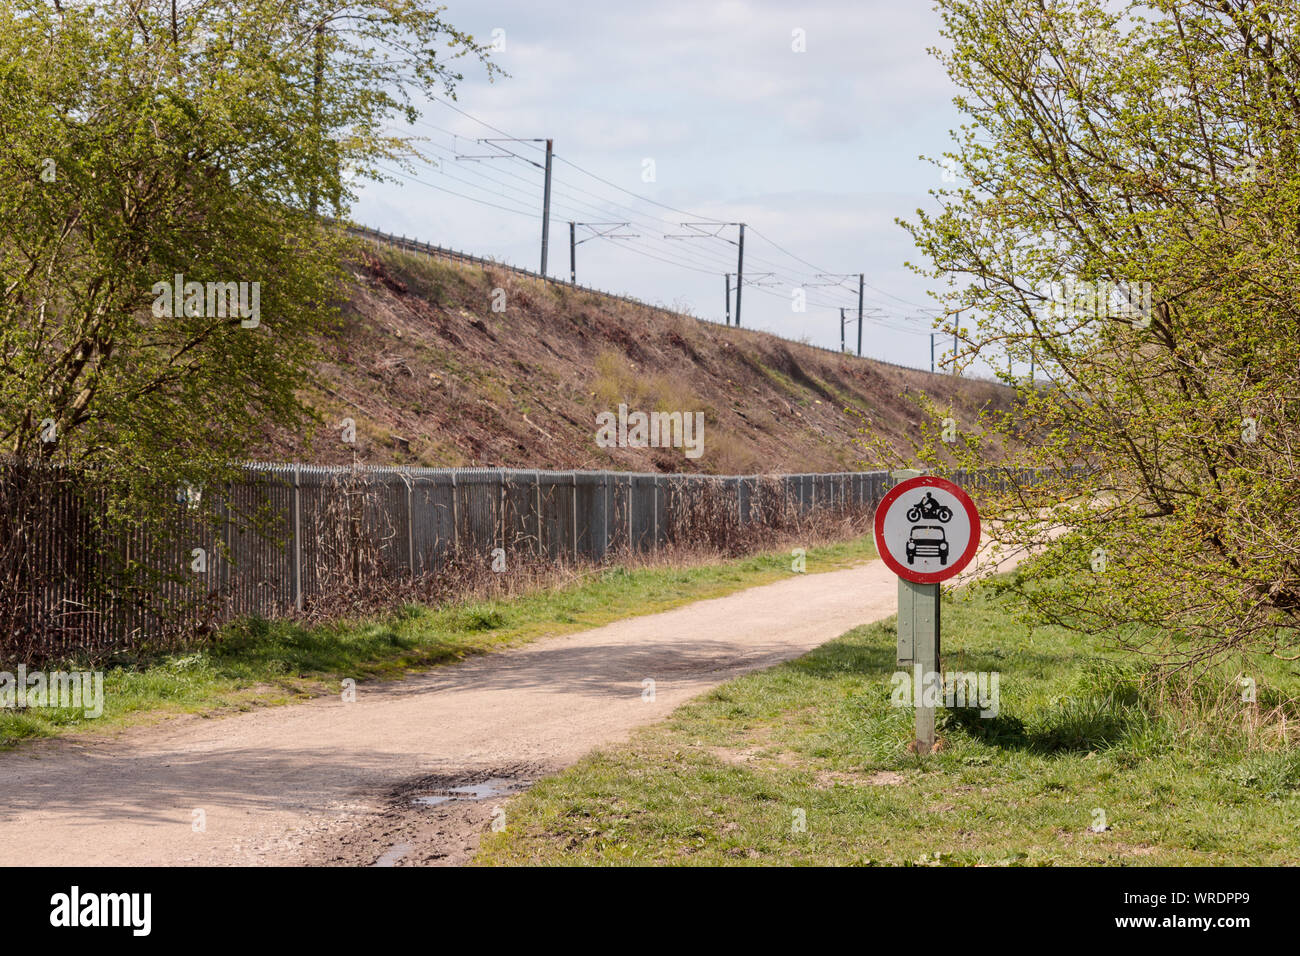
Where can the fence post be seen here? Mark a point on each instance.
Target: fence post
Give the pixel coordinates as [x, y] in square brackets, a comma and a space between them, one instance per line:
[501, 508]
[455, 516]
[297, 538]
[573, 478]
[607, 493]
[537, 504]
[227, 588]
[410, 521]
[654, 513]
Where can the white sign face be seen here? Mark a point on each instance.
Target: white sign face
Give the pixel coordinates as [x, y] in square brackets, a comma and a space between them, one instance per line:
[927, 529]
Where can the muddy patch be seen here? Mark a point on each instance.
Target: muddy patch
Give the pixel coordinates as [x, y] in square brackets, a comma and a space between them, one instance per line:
[495, 787]
[829, 779]
[740, 758]
[433, 820]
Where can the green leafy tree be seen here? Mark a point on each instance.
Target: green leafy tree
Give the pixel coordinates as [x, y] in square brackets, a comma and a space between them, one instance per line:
[1126, 215]
[164, 271]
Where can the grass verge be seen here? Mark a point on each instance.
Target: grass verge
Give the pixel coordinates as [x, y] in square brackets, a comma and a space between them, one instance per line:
[258, 663]
[806, 763]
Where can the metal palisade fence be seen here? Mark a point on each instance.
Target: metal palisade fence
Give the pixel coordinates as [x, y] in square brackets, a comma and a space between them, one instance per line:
[416, 518]
[284, 537]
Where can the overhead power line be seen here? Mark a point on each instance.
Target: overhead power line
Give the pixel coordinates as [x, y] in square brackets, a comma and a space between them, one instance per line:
[652, 239]
[482, 202]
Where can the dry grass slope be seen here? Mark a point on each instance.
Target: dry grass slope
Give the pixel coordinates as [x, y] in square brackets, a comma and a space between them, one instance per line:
[433, 376]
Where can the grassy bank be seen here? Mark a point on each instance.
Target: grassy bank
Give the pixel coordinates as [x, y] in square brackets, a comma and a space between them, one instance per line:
[259, 663]
[728, 778]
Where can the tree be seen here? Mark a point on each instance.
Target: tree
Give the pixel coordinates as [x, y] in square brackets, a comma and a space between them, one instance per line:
[1128, 219]
[163, 272]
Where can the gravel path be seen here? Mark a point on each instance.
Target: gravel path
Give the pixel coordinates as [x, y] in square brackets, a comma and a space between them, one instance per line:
[333, 782]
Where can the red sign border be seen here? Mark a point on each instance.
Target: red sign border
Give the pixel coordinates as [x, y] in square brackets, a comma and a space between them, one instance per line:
[902, 570]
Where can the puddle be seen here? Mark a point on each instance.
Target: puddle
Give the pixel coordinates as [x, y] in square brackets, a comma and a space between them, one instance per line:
[392, 856]
[477, 791]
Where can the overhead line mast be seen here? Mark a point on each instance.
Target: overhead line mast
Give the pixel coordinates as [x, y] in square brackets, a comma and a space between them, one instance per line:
[546, 192]
[739, 243]
[608, 230]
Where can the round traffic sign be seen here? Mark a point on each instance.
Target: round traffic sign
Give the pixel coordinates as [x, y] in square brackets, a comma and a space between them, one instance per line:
[927, 529]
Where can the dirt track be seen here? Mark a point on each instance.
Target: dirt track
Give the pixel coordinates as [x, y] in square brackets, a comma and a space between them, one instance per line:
[330, 782]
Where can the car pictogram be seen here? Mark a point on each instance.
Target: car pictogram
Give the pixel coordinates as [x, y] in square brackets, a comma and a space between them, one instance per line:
[927, 540]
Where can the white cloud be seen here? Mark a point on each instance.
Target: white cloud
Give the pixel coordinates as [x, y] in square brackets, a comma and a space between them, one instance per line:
[816, 150]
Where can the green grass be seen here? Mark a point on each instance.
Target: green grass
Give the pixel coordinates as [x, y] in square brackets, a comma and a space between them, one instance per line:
[722, 780]
[258, 663]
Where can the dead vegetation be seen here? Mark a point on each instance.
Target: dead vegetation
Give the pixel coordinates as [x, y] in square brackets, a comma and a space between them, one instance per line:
[361, 574]
[432, 375]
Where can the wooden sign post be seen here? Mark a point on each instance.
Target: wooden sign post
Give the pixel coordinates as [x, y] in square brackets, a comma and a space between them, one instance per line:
[927, 530]
[918, 648]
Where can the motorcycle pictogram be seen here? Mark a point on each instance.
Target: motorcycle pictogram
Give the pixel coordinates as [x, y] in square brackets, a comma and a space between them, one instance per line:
[929, 509]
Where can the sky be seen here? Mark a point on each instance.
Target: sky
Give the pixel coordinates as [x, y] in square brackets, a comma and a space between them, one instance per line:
[708, 108]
